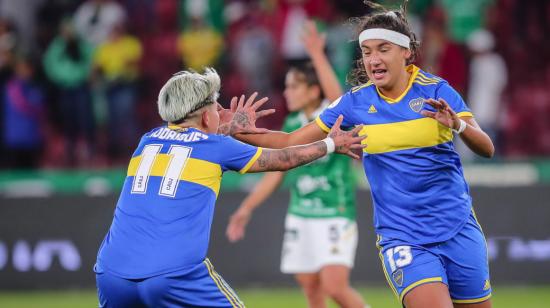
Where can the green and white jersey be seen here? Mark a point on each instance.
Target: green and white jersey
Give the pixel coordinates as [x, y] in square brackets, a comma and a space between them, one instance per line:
[323, 188]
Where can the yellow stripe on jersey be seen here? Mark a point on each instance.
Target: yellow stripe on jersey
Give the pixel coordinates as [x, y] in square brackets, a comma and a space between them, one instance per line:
[322, 125]
[197, 171]
[465, 114]
[355, 89]
[251, 161]
[425, 83]
[419, 133]
[425, 78]
[411, 69]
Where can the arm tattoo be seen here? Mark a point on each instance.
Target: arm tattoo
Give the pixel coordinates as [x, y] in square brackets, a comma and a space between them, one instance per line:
[334, 135]
[291, 157]
[224, 129]
[240, 122]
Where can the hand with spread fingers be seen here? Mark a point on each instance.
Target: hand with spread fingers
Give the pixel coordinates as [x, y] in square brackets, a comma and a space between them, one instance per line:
[346, 142]
[443, 114]
[226, 115]
[314, 42]
[241, 117]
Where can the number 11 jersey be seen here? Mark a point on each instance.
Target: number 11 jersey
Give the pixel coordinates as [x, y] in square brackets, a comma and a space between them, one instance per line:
[164, 213]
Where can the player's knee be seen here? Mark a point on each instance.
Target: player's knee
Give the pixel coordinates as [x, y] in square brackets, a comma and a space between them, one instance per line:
[312, 289]
[334, 289]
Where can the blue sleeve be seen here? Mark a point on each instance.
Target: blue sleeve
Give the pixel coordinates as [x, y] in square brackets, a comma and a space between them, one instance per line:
[236, 155]
[341, 106]
[446, 92]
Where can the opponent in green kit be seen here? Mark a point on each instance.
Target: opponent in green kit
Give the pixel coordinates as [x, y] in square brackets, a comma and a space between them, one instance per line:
[320, 230]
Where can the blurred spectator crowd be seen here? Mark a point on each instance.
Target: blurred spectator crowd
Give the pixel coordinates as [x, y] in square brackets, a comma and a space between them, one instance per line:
[79, 79]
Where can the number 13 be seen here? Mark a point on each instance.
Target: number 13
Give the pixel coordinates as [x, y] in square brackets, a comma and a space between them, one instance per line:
[404, 254]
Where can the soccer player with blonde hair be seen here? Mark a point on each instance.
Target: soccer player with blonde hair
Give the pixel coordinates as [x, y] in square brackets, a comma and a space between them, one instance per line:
[154, 254]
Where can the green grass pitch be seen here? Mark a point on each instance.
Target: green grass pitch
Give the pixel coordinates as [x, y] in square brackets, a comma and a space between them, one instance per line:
[379, 296]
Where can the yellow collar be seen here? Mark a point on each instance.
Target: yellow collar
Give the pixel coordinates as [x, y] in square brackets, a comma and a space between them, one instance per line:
[177, 128]
[413, 69]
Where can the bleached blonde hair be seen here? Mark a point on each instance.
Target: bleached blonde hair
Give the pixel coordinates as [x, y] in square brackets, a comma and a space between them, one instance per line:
[187, 92]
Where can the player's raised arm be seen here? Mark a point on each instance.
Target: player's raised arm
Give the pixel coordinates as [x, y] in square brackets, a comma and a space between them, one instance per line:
[278, 140]
[339, 141]
[314, 42]
[239, 121]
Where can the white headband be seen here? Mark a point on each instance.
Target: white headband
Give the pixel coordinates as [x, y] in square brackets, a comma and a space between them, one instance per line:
[385, 34]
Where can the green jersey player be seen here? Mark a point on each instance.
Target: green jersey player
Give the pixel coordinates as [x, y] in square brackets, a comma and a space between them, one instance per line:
[320, 229]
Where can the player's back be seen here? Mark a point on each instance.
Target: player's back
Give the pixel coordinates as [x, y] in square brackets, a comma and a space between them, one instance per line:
[163, 216]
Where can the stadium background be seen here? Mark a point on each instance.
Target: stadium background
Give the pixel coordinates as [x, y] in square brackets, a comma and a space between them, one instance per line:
[68, 130]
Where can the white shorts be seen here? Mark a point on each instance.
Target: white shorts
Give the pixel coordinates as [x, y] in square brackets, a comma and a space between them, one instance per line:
[311, 243]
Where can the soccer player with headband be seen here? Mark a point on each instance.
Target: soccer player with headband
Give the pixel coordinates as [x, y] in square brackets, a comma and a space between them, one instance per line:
[432, 248]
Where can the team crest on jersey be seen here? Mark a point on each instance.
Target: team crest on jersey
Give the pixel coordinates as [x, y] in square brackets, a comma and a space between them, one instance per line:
[416, 104]
[335, 103]
[487, 285]
[398, 277]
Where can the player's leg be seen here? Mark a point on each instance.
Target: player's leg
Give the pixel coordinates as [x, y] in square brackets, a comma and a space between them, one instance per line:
[485, 304]
[200, 286]
[434, 294]
[311, 286]
[113, 291]
[335, 282]
[468, 273]
[299, 258]
[336, 243]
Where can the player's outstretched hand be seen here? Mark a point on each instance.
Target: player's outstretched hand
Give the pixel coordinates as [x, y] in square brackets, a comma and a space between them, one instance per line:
[246, 113]
[314, 42]
[226, 116]
[237, 225]
[443, 114]
[346, 142]
[241, 117]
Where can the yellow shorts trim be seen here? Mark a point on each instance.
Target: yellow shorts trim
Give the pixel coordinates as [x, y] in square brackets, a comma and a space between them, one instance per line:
[381, 256]
[251, 161]
[231, 296]
[416, 284]
[472, 301]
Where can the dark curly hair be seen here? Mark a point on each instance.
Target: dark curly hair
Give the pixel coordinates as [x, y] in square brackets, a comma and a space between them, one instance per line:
[381, 18]
[306, 73]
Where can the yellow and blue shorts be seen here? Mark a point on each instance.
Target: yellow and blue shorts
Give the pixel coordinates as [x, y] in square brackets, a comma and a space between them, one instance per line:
[460, 262]
[200, 286]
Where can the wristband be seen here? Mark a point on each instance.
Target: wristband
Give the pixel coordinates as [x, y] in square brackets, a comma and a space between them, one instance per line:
[462, 127]
[330, 144]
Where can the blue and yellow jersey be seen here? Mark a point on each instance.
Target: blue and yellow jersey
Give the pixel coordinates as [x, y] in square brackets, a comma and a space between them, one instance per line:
[164, 213]
[416, 178]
